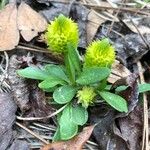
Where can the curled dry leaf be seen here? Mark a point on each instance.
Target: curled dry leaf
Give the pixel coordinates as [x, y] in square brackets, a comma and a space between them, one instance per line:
[30, 23]
[9, 34]
[94, 21]
[118, 71]
[75, 143]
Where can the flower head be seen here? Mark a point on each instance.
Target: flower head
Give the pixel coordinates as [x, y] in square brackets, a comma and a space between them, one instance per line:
[86, 96]
[99, 54]
[61, 32]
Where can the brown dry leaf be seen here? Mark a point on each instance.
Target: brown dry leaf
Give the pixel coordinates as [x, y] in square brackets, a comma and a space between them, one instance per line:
[74, 144]
[118, 71]
[9, 34]
[94, 21]
[30, 23]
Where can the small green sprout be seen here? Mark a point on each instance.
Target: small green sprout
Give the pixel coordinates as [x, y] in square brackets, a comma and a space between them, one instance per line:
[99, 54]
[61, 32]
[86, 96]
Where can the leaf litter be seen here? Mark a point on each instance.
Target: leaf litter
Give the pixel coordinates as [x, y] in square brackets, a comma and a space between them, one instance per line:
[113, 130]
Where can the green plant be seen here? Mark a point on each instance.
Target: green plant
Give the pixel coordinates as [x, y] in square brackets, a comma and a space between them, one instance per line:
[75, 84]
[3, 3]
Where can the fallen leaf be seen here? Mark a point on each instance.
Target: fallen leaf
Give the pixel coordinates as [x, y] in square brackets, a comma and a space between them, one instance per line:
[118, 71]
[9, 34]
[103, 133]
[75, 143]
[130, 128]
[19, 145]
[31, 105]
[30, 23]
[94, 21]
[7, 117]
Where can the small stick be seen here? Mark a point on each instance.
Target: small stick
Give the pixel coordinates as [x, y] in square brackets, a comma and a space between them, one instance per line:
[132, 10]
[32, 133]
[41, 118]
[145, 139]
[142, 37]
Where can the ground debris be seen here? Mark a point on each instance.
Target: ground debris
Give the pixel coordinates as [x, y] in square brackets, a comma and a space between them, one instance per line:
[28, 97]
[7, 118]
[75, 143]
[30, 23]
[9, 34]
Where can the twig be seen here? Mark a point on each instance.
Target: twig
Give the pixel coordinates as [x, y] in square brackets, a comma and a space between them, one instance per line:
[145, 143]
[112, 23]
[142, 37]
[131, 10]
[41, 118]
[32, 133]
[41, 50]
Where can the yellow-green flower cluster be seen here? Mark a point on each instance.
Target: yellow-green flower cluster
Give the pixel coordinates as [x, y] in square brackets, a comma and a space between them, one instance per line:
[61, 32]
[86, 96]
[99, 54]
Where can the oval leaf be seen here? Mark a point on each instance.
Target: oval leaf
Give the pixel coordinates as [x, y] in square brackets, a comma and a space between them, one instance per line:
[33, 73]
[50, 82]
[79, 115]
[93, 75]
[144, 87]
[56, 71]
[64, 94]
[68, 129]
[115, 101]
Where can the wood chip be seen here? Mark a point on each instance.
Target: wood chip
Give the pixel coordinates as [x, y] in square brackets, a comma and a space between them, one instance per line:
[30, 23]
[9, 34]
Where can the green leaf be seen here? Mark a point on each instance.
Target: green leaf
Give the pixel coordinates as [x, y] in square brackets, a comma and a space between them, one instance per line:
[93, 75]
[64, 94]
[50, 82]
[56, 136]
[79, 115]
[121, 88]
[56, 71]
[74, 55]
[70, 68]
[144, 87]
[33, 73]
[68, 129]
[115, 101]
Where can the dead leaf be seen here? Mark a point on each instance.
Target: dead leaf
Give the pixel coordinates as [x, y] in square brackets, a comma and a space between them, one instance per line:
[94, 21]
[31, 105]
[130, 128]
[118, 71]
[30, 23]
[103, 132]
[7, 117]
[74, 144]
[9, 34]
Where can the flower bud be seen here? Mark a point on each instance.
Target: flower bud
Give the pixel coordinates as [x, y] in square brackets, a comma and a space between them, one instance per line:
[61, 32]
[99, 54]
[86, 96]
